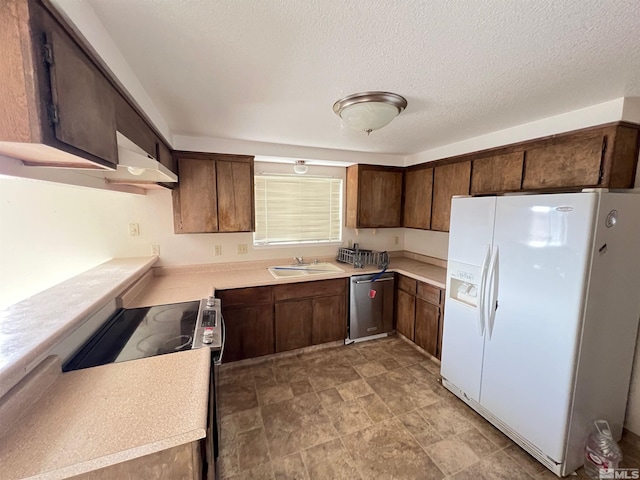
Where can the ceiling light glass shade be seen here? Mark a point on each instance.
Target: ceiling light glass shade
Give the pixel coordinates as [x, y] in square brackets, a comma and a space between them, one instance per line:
[300, 168]
[369, 111]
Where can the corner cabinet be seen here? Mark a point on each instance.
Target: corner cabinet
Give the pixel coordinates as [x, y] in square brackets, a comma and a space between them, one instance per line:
[418, 192]
[419, 314]
[214, 193]
[248, 318]
[374, 196]
[58, 106]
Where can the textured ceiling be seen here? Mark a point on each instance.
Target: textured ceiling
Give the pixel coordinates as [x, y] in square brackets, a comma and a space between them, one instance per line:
[270, 70]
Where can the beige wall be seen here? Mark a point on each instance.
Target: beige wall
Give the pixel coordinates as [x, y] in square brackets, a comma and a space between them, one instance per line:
[50, 232]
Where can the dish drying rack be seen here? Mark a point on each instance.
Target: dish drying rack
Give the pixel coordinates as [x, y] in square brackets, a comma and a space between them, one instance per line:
[367, 257]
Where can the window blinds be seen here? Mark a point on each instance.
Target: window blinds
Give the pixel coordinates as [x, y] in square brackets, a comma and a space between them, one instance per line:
[297, 209]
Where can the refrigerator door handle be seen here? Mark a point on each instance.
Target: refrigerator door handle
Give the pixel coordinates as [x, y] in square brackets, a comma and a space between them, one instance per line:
[483, 285]
[494, 280]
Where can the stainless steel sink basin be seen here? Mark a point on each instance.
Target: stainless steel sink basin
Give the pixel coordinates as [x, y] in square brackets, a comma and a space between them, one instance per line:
[288, 271]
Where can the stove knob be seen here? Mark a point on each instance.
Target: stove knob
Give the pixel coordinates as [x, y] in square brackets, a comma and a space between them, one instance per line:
[207, 337]
[211, 301]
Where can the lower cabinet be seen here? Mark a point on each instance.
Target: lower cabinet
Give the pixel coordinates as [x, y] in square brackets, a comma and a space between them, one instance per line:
[248, 318]
[293, 324]
[406, 314]
[310, 313]
[419, 313]
[427, 323]
[264, 320]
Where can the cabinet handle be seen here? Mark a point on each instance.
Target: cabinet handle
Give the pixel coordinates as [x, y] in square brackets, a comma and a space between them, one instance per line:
[358, 282]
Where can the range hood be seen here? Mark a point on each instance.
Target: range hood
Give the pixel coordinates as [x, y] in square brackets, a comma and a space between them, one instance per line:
[136, 166]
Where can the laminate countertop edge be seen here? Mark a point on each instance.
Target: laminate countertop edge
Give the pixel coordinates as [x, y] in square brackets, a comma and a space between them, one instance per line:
[30, 329]
[97, 417]
[186, 284]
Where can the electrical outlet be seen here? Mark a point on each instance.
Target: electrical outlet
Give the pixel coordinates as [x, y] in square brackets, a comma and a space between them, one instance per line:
[218, 250]
[242, 248]
[396, 240]
[134, 229]
[155, 250]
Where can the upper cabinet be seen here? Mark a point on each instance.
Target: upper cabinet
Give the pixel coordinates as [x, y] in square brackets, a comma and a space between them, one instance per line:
[58, 106]
[605, 156]
[600, 157]
[214, 193]
[374, 196]
[448, 180]
[575, 162]
[497, 173]
[418, 190]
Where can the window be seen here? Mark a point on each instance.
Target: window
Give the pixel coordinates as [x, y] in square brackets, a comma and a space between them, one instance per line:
[297, 209]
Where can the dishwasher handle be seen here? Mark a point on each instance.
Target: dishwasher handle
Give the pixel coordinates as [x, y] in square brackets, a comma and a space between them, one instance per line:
[358, 282]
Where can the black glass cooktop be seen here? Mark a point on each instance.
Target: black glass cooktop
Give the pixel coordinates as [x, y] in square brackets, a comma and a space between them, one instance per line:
[138, 333]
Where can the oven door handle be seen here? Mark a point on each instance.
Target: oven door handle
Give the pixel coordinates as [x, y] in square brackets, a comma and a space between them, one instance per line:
[224, 335]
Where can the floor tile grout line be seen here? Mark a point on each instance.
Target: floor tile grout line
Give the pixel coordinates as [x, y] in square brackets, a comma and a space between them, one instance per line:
[424, 449]
[355, 463]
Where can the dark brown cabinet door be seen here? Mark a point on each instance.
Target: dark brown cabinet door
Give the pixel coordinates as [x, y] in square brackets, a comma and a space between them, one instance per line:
[417, 198]
[380, 198]
[576, 162]
[500, 173]
[195, 206]
[448, 180]
[440, 330]
[249, 332]
[293, 324]
[235, 196]
[83, 98]
[214, 193]
[164, 155]
[405, 314]
[130, 124]
[427, 319]
[329, 319]
[374, 196]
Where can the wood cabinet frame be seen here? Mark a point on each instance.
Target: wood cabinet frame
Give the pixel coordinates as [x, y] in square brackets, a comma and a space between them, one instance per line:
[34, 36]
[227, 202]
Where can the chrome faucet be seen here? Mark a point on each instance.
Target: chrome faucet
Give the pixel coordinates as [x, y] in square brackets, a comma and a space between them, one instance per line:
[300, 260]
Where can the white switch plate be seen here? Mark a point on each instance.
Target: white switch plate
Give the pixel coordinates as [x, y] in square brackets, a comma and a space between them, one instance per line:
[134, 229]
[242, 248]
[155, 250]
[218, 250]
[396, 240]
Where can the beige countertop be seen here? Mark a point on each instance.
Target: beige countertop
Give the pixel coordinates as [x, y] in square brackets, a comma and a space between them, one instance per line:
[29, 329]
[89, 419]
[181, 284]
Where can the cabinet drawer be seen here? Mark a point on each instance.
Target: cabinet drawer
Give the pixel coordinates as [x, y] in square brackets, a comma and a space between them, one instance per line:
[429, 293]
[407, 284]
[320, 288]
[244, 297]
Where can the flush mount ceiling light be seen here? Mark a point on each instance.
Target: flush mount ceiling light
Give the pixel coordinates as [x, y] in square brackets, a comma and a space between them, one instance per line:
[369, 111]
[300, 167]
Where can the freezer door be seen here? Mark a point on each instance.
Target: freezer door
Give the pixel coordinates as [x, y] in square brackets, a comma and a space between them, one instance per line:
[543, 244]
[470, 238]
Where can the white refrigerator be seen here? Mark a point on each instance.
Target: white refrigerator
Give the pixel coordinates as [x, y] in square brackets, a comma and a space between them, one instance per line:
[541, 315]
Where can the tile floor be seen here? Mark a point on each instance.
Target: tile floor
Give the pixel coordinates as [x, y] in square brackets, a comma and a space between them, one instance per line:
[373, 410]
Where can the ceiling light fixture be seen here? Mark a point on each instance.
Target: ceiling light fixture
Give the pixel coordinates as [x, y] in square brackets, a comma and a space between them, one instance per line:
[300, 167]
[369, 111]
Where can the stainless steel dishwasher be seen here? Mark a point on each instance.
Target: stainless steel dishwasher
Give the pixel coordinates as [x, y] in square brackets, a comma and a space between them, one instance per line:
[371, 311]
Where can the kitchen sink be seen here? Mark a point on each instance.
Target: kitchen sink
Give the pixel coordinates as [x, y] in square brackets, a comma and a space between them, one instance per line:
[288, 271]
